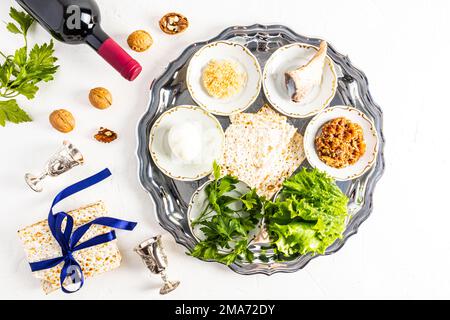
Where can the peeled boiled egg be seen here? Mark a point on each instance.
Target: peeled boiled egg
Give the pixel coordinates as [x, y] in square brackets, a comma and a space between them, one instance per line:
[185, 141]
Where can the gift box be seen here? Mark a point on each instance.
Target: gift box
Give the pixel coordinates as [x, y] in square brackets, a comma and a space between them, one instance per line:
[68, 247]
[39, 244]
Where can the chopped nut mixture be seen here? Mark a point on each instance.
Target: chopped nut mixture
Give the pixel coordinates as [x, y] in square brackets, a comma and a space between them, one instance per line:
[341, 143]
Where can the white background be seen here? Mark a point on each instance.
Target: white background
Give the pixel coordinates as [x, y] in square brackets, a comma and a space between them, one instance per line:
[402, 251]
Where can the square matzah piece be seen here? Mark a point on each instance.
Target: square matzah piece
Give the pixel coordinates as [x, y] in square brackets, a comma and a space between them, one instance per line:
[40, 245]
[262, 149]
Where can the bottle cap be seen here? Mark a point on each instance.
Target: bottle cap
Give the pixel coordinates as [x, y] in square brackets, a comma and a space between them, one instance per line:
[117, 57]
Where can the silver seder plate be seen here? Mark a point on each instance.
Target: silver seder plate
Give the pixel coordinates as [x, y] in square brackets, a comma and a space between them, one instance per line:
[171, 197]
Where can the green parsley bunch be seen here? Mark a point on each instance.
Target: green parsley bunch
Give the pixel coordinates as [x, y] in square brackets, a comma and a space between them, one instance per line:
[22, 72]
[227, 230]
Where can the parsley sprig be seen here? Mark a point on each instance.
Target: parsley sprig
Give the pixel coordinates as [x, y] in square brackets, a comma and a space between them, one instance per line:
[21, 72]
[227, 221]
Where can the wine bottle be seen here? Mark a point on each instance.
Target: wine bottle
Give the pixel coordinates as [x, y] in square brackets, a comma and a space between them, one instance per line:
[78, 21]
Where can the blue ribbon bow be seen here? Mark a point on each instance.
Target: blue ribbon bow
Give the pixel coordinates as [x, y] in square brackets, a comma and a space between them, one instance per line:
[68, 240]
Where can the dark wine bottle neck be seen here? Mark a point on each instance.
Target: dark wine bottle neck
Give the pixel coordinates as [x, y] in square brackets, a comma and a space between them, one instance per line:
[96, 38]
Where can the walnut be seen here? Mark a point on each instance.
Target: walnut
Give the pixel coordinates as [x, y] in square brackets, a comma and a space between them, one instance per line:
[62, 120]
[100, 98]
[173, 23]
[105, 135]
[140, 40]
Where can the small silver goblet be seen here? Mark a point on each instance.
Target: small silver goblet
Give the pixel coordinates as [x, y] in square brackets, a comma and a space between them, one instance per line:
[152, 253]
[62, 161]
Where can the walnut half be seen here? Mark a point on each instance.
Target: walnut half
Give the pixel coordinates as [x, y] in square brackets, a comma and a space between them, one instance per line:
[173, 23]
[105, 135]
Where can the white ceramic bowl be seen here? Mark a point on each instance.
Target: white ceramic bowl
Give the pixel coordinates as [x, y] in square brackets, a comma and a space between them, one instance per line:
[289, 58]
[212, 143]
[224, 50]
[370, 137]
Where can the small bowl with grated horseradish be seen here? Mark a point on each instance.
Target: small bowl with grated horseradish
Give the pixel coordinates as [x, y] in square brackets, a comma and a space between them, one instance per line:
[224, 78]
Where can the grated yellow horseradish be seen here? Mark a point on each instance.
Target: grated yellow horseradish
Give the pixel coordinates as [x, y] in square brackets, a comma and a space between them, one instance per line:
[222, 79]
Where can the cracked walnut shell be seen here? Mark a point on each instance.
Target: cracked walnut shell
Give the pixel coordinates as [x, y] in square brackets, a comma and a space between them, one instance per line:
[173, 23]
[62, 120]
[100, 98]
[140, 41]
[105, 135]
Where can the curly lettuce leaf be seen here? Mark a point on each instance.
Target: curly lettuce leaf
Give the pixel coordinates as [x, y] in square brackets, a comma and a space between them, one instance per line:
[309, 216]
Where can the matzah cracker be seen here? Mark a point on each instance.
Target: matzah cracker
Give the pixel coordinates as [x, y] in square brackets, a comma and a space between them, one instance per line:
[262, 149]
[265, 117]
[39, 245]
[270, 112]
[251, 152]
[291, 159]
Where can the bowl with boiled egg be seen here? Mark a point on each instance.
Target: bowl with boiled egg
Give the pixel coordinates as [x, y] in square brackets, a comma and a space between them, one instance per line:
[184, 141]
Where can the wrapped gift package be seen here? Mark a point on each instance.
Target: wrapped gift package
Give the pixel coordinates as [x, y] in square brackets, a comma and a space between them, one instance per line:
[40, 244]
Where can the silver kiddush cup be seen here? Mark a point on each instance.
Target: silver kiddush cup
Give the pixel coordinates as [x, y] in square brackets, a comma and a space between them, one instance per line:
[152, 253]
[65, 159]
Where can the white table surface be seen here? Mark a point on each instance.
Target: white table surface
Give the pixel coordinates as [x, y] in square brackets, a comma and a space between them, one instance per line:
[402, 251]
